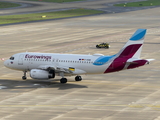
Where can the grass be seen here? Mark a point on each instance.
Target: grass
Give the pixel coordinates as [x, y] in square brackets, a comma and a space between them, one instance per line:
[57, 1]
[48, 15]
[8, 5]
[140, 4]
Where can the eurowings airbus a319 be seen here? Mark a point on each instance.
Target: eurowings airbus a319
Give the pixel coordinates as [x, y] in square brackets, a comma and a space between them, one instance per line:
[47, 65]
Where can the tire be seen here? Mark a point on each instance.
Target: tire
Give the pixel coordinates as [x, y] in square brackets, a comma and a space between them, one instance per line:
[24, 77]
[63, 80]
[78, 78]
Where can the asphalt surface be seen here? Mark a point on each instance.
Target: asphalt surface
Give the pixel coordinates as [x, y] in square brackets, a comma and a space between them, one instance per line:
[126, 95]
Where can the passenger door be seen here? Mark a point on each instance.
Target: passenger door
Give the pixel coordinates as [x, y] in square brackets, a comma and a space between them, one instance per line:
[20, 60]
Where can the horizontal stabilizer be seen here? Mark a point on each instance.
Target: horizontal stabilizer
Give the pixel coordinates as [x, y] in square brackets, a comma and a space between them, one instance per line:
[150, 59]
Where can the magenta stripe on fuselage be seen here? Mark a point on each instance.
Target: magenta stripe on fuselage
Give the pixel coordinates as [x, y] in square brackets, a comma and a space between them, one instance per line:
[119, 62]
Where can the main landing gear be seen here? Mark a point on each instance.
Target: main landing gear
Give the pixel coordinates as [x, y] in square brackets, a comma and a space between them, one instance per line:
[78, 78]
[24, 77]
[64, 80]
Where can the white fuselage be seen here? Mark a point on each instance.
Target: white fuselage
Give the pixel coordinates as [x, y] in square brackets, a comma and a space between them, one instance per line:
[84, 63]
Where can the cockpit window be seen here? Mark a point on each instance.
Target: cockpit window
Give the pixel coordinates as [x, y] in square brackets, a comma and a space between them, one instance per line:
[11, 58]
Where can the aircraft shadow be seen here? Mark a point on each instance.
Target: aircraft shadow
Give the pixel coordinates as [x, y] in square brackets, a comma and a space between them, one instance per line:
[32, 84]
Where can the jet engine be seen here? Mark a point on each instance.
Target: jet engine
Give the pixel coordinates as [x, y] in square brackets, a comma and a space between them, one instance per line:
[41, 74]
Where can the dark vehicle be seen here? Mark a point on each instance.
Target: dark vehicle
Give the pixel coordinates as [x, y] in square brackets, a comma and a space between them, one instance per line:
[103, 45]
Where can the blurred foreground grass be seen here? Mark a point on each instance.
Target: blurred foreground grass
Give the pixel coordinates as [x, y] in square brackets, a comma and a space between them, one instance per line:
[56, 1]
[45, 16]
[140, 4]
[8, 5]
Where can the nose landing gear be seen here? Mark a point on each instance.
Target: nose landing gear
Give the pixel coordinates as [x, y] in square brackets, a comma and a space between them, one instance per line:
[24, 77]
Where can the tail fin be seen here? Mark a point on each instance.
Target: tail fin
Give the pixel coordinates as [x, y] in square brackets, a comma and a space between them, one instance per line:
[128, 56]
[133, 48]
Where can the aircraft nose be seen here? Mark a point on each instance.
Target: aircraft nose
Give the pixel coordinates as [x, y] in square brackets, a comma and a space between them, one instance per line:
[6, 63]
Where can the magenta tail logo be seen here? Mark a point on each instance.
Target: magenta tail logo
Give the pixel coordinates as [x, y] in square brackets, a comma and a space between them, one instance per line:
[130, 50]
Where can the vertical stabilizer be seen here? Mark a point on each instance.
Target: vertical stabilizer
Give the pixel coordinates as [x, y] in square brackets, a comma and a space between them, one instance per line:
[129, 56]
[133, 48]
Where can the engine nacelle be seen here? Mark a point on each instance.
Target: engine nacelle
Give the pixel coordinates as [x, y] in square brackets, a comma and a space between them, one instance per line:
[41, 74]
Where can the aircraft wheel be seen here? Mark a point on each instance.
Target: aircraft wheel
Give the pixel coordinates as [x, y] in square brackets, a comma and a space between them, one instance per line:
[78, 78]
[24, 77]
[63, 80]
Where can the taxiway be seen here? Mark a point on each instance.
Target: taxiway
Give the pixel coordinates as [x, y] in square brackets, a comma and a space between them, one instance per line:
[125, 95]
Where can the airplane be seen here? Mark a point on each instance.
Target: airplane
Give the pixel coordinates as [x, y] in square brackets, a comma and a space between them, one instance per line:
[48, 65]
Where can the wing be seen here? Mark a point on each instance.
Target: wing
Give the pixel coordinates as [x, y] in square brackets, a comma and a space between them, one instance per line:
[64, 69]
